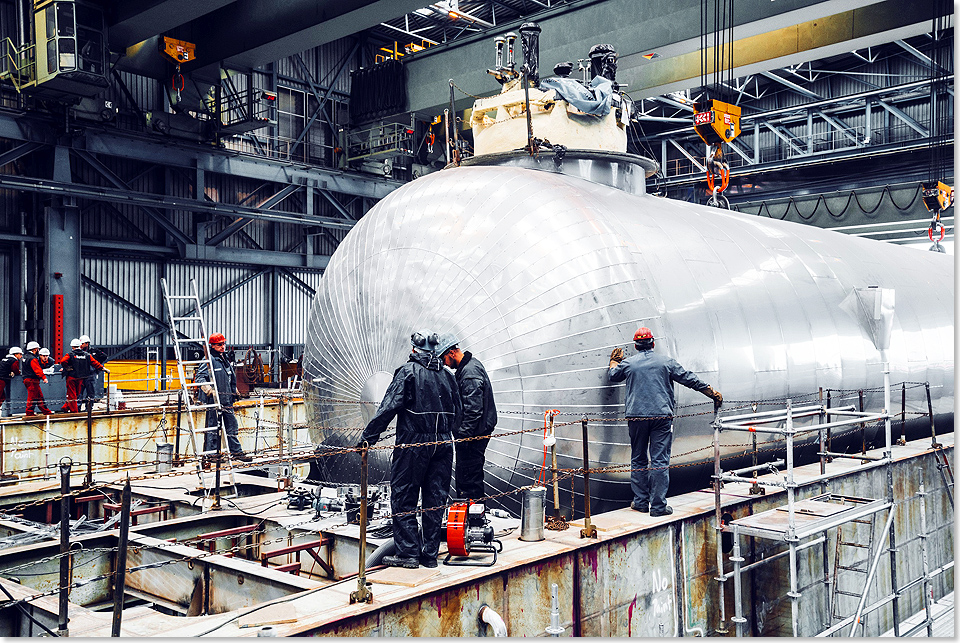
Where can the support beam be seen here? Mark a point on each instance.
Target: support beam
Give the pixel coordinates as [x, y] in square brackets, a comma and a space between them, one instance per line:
[909, 120]
[114, 180]
[839, 125]
[700, 166]
[803, 91]
[241, 222]
[163, 202]
[785, 138]
[18, 152]
[342, 210]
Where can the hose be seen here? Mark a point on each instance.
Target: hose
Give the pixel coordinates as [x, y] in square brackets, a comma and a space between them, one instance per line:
[386, 549]
[494, 620]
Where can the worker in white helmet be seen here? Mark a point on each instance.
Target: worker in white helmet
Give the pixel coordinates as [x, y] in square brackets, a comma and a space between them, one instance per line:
[9, 368]
[87, 391]
[32, 376]
[80, 368]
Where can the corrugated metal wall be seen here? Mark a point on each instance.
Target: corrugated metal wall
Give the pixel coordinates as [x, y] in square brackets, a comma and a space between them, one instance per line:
[243, 315]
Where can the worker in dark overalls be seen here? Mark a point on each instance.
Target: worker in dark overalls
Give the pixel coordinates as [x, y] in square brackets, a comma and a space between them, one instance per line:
[424, 398]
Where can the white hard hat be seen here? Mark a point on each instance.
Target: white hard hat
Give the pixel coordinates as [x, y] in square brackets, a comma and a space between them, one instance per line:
[84, 339]
[32, 345]
[45, 351]
[15, 350]
[75, 343]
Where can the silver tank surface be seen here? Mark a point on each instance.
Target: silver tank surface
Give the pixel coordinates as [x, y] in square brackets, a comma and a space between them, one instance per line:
[541, 273]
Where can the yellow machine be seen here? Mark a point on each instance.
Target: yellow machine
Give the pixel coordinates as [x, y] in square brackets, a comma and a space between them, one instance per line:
[937, 195]
[179, 51]
[716, 121]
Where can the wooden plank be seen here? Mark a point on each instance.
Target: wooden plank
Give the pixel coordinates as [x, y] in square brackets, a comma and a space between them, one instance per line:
[403, 576]
[278, 613]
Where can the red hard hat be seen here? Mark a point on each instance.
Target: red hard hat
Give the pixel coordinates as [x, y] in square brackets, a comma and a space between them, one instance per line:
[218, 338]
[642, 333]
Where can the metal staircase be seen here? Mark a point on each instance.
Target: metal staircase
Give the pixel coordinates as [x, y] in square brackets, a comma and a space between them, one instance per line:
[189, 327]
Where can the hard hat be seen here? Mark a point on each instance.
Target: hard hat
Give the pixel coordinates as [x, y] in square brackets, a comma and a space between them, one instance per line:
[75, 343]
[15, 350]
[45, 351]
[84, 339]
[642, 333]
[425, 341]
[32, 345]
[217, 338]
[446, 342]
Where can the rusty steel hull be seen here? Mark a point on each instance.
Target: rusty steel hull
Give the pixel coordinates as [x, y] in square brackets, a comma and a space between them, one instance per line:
[542, 273]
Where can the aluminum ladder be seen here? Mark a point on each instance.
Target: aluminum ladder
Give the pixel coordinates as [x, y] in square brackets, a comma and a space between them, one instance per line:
[850, 571]
[189, 327]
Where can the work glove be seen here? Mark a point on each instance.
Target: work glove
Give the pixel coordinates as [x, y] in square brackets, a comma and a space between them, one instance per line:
[207, 389]
[717, 397]
[616, 355]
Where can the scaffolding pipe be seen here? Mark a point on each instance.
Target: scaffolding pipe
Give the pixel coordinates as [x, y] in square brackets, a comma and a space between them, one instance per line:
[873, 571]
[927, 587]
[65, 464]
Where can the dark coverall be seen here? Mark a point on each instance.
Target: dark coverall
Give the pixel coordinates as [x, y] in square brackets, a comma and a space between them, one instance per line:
[423, 396]
[32, 375]
[226, 379]
[650, 377]
[479, 418]
[9, 368]
[80, 368]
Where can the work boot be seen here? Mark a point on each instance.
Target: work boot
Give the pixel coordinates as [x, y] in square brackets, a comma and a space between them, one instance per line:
[46, 411]
[641, 507]
[401, 561]
[657, 514]
[428, 561]
[241, 456]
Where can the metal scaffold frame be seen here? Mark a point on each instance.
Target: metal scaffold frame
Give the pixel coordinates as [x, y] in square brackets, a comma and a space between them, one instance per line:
[814, 516]
[808, 521]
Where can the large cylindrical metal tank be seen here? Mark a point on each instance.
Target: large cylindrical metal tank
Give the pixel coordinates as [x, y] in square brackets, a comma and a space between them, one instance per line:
[542, 271]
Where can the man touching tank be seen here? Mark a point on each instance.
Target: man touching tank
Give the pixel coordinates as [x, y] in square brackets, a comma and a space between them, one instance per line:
[479, 416]
[650, 405]
[424, 398]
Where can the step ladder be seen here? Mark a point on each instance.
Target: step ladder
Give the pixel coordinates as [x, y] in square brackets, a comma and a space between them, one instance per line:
[850, 571]
[187, 326]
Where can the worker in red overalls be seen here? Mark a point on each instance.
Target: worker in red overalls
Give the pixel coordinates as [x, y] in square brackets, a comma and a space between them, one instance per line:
[32, 376]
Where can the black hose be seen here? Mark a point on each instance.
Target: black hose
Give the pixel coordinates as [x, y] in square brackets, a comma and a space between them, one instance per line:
[386, 549]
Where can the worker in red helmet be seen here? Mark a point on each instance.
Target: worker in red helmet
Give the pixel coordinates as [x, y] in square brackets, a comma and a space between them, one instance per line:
[650, 404]
[225, 379]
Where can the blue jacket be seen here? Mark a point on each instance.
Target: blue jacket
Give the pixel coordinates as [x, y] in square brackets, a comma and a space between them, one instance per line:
[225, 376]
[650, 379]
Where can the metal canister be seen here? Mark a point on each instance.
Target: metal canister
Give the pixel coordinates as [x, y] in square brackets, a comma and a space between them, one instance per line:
[164, 457]
[532, 513]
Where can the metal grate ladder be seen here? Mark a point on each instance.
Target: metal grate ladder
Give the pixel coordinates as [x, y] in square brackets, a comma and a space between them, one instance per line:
[190, 328]
[849, 570]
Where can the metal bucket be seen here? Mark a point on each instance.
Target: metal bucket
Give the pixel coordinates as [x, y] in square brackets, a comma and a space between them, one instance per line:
[164, 457]
[532, 513]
